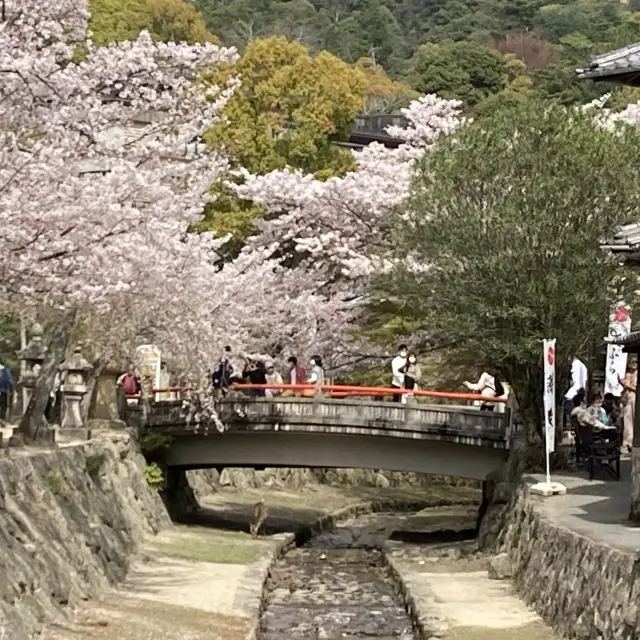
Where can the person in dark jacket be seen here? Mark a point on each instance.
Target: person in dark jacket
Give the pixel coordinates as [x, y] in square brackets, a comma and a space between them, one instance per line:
[7, 388]
[257, 374]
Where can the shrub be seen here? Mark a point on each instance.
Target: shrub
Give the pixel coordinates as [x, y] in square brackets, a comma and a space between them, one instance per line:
[154, 476]
[54, 482]
[94, 463]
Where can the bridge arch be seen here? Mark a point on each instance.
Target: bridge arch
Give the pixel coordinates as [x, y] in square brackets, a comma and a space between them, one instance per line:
[317, 432]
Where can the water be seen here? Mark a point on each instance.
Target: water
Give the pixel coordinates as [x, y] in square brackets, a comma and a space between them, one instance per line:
[337, 586]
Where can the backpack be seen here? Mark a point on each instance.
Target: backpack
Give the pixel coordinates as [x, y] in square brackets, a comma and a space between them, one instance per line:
[130, 385]
[500, 390]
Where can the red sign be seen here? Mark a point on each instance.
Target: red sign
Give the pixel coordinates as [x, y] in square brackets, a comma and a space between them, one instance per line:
[621, 314]
[551, 355]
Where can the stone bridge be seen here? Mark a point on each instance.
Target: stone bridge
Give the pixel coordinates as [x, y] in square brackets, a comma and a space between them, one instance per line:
[301, 432]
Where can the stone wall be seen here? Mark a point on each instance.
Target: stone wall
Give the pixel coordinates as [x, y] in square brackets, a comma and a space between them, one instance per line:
[208, 480]
[583, 589]
[69, 520]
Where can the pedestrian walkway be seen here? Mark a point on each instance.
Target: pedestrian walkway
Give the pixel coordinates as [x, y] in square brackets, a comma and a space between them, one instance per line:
[596, 509]
[188, 583]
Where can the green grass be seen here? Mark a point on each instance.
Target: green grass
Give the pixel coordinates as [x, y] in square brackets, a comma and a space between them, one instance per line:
[533, 631]
[201, 544]
[55, 482]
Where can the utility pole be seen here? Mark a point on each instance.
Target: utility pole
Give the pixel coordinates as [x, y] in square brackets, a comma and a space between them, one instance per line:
[373, 55]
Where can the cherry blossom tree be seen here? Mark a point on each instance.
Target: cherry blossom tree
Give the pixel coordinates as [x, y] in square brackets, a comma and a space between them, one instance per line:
[94, 210]
[331, 225]
[321, 236]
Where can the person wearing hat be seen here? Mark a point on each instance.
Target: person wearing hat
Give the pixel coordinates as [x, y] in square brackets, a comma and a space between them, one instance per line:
[273, 377]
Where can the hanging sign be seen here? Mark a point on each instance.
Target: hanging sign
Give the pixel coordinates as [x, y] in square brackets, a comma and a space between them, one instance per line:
[616, 366]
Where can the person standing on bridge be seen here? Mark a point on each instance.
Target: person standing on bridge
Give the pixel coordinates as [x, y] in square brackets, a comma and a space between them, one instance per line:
[297, 374]
[273, 377]
[131, 385]
[257, 374]
[488, 386]
[397, 370]
[317, 374]
[412, 374]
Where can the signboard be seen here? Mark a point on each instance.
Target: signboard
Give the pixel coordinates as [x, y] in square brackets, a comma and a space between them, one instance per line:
[616, 366]
[549, 395]
[149, 363]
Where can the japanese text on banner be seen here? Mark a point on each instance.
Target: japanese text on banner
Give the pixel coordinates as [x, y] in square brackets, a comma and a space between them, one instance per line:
[616, 367]
[550, 393]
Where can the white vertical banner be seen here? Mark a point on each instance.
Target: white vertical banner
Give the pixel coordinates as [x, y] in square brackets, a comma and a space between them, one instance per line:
[549, 396]
[616, 367]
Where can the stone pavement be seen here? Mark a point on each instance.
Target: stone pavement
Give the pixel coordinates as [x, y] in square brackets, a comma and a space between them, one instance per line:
[450, 592]
[597, 509]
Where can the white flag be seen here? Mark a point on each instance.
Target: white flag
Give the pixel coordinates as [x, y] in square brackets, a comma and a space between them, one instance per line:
[619, 327]
[549, 394]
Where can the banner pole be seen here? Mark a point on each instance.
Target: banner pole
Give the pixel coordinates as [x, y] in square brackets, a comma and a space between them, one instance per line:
[549, 488]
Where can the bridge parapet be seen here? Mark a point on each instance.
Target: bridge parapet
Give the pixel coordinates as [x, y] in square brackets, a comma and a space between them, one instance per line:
[462, 425]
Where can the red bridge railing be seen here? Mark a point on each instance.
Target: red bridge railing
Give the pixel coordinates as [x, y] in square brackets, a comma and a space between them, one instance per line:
[337, 391]
[345, 391]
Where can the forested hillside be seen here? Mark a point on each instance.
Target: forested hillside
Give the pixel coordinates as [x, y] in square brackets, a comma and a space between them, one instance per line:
[446, 46]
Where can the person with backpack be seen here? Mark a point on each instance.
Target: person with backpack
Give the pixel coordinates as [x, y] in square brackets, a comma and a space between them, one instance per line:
[488, 386]
[131, 385]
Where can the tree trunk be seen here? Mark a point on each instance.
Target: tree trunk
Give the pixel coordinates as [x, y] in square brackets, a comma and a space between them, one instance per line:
[92, 387]
[527, 384]
[33, 426]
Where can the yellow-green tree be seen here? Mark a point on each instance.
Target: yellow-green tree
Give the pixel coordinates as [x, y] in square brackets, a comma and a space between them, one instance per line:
[289, 108]
[383, 94]
[166, 20]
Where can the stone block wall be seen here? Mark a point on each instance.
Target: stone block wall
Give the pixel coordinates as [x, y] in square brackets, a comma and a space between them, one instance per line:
[69, 521]
[205, 481]
[583, 589]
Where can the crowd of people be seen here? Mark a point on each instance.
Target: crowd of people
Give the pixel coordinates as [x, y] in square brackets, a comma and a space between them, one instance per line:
[406, 376]
[605, 414]
[234, 369]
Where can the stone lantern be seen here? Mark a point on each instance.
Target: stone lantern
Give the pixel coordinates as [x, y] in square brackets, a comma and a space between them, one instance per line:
[74, 372]
[31, 358]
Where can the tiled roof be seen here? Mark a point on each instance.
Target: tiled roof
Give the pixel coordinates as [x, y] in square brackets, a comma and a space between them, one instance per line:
[616, 63]
[632, 339]
[625, 239]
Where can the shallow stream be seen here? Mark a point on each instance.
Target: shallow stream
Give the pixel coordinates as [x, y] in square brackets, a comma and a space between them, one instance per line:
[337, 585]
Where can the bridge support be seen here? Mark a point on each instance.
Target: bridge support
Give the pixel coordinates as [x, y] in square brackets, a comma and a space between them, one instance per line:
[498, 489]
[177, 494]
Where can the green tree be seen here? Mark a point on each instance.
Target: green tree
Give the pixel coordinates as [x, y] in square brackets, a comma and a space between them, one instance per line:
[383, 94]
[286, 113]
[166, 20]
[288, 109]
[469, 71]
[507, 217]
